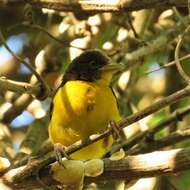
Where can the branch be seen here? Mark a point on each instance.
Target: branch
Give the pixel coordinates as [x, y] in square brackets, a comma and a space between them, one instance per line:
[94, 6]
[155, 45]
[175, 117]
[177, 61]
[148, 135]
[60, 41]
[155, 107]
[26, 89]
[19, 87]
[174, 138]
[130, 168]
[8, 114]
[50, 157]
[146, 165]
[170, 64]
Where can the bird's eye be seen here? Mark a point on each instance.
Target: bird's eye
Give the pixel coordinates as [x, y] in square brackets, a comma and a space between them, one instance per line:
[92, 63]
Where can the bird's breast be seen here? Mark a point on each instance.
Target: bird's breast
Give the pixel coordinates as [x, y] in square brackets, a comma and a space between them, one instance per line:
[83, 108]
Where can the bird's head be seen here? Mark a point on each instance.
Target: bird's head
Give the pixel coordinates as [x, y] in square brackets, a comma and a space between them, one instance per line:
[92, 65]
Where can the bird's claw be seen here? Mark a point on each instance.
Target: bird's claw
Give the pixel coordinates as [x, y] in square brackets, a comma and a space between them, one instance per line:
[117, 131]
[60, 152]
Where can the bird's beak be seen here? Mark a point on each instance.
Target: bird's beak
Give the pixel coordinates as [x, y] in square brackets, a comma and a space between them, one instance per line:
[112, 67]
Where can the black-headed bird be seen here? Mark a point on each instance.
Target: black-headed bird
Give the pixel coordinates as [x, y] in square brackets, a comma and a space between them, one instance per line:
[84, 104]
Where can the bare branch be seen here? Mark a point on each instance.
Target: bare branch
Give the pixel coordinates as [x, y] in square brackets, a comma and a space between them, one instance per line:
[60, 41]
[49, 158]
[175, 117]
[155, 45]
[174, 138]
[132, 167]
[146, 165]
[172, 63]
[177, 61]
[155, 107]
[6, 116]
[19, 87]
[148, 135]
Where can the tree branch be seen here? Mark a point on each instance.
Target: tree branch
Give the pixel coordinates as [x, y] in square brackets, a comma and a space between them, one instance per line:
[177, 61]
[60, 41]
[19, 87]
[169, 140]
[170, 64]
[130, 168]
[148, 135]
[8, 114]
[50, 157]
[97, 5]
[130, 58]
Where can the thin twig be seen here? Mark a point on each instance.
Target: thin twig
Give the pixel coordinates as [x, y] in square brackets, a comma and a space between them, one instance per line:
[131, 58]
[172, 63]
[38, 27]
[179, 15]
[177, 116]
[177, 61]
[132, 27]
[19, 87]
[171, 184]
[169, 140]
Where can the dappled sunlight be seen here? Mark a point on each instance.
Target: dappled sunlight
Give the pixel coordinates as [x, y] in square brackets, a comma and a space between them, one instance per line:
[124, 79]
[167, 158]
[131, 82]
[107, 46]
[122, 34]
[36, 109]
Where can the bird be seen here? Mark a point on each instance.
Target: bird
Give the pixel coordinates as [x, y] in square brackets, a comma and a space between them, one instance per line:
[84, 104]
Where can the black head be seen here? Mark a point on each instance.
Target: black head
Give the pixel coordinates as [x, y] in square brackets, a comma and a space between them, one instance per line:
[86, 66]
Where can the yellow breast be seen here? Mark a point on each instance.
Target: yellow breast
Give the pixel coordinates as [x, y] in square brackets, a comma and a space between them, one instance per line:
[80, 110]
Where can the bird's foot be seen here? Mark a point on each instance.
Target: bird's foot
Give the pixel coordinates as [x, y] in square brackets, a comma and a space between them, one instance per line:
[117, 131]
[60, 152]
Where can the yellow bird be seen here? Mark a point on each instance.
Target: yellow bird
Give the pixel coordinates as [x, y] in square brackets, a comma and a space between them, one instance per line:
[84, 104]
